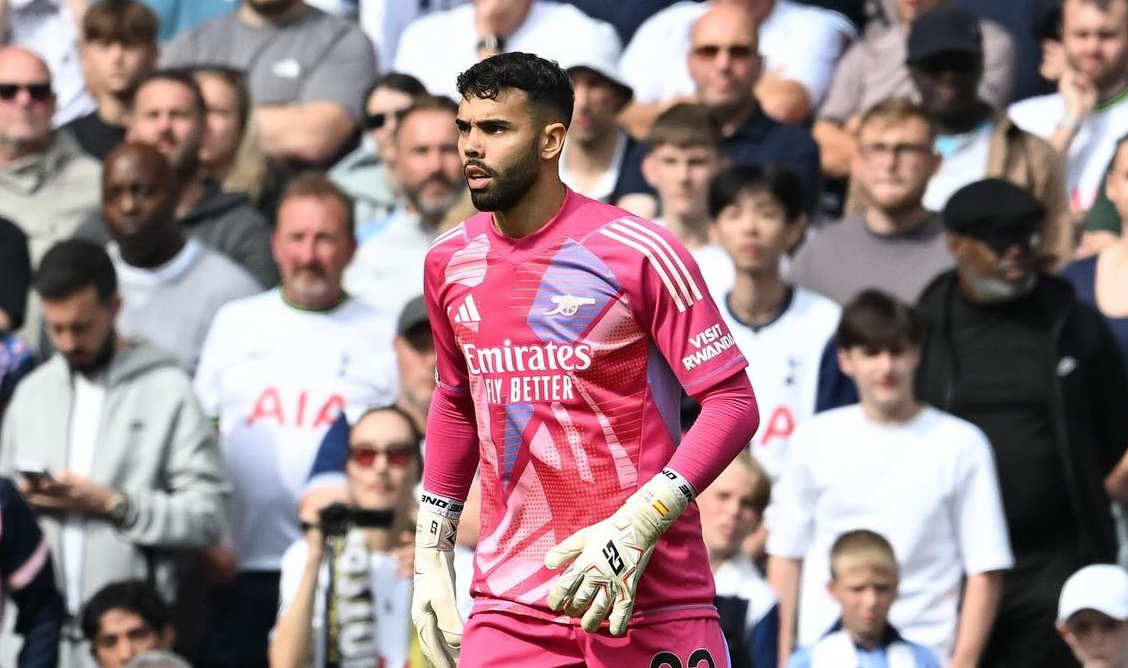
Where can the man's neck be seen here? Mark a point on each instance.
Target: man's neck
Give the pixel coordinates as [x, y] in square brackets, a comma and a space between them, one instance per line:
[318, 304]
[692, 230]
[966, 122]
[592, 158]
[862, 640]
[113, 110]
[732, 118]
[1113, 91]
[884, 222]
[191, 193]
[418, 414]
[252, 17]
[891, 416]
[717, 559]
[757, 297]
[540, 203]
[172, 246]
[10, 152]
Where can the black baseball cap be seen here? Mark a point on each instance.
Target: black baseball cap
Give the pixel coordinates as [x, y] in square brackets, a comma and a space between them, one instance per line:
[943, 29]
[414, 313]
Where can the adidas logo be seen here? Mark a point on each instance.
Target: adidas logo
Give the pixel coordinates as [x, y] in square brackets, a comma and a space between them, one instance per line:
[468, 312]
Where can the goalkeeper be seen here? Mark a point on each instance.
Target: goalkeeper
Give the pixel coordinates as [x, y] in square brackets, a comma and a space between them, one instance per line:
[565, 330]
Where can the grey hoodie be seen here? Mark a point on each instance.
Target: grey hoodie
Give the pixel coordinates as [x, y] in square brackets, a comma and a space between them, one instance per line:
[154, 444]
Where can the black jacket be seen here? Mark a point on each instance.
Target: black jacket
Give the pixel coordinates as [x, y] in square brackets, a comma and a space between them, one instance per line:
[1090, 402]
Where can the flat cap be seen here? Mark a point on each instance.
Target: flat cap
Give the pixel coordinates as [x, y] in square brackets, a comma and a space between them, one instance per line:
[983, 207]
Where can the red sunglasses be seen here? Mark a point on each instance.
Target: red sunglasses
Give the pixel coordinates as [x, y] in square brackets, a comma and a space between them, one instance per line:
[399, 456]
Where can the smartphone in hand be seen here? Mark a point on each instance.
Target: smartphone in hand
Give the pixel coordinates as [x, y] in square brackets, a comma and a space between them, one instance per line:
[33, 472]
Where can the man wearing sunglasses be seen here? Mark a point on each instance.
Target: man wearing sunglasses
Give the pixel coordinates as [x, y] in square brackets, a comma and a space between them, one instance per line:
[357, 576]
[365, 174]
[1011, 349]
[47, 184]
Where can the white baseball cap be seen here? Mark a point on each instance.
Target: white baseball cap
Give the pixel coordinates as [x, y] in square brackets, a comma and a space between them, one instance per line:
[597, 50]
[1100, 587]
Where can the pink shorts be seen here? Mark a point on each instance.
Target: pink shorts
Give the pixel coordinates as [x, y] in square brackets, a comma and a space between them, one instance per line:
[501, 640]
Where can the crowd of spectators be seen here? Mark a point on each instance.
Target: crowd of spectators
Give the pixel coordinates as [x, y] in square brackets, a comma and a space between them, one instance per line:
[216, 365]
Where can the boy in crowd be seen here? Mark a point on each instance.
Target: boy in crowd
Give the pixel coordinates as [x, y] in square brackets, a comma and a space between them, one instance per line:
[732, 509]
[757, 215]
[1093, 616]
[924, 479]
[863, 581]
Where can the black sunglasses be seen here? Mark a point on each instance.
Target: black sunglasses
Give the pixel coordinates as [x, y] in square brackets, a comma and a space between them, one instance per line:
[377, 121]
[39, 92]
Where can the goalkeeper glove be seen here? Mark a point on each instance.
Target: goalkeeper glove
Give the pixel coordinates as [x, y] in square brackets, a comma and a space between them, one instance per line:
[434, 609]
[611, 555]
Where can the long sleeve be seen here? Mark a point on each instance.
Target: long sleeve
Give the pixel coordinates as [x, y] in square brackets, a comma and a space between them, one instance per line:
[728, 419]
[25, 566]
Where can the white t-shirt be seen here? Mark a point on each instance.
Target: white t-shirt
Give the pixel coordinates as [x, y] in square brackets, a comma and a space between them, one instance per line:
[605, 186]
[387, 270]
[276, 377]
[803, 43]
[172, 306]
[85, 419]
[1091, 150]
[965, 161]
[437, 47]
[784, 358]
[928, 485]
[391, 603]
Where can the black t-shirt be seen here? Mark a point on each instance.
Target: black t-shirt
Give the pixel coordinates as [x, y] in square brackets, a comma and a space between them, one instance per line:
[1003, 384]
[96, 136]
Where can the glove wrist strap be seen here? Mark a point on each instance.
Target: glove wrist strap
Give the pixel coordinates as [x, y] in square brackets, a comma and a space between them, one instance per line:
[441, 505]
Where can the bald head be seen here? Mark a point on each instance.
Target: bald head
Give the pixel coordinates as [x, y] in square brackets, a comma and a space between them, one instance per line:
[139, 194]
[723, 57]
[26, 103]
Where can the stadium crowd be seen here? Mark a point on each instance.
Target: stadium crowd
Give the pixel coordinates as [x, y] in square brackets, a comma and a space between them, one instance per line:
[216, 363]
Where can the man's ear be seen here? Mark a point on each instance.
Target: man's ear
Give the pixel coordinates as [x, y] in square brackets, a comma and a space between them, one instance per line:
[552, 140]
[168, 636]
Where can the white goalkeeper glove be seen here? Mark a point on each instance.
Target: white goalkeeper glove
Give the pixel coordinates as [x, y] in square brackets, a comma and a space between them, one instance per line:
[434, 607]
[611, 555]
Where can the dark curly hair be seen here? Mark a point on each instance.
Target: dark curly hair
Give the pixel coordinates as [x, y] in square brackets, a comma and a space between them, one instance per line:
[547, 86]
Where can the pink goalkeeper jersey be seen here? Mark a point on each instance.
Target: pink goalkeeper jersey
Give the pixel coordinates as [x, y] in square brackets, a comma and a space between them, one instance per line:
[573, 343]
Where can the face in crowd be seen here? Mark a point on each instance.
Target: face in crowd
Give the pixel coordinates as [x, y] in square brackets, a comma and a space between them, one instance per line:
[755, 231]
[427, 165]
[894, 162]
[383, 465]
[312, 246]
[724, 59]
[27, 102]
[123, 634]
[168, 116]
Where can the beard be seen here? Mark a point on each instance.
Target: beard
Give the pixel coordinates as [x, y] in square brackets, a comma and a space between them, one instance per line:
[508, 186]
[433, 207]
[100, 360]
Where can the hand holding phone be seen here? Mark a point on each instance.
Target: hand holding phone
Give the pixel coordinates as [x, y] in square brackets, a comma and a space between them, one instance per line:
[34, 473]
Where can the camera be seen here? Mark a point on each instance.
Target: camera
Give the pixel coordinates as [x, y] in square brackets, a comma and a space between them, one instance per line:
[337, 519]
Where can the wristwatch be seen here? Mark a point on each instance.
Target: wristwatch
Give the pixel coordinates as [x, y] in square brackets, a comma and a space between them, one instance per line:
[119, 509]
[492, 42]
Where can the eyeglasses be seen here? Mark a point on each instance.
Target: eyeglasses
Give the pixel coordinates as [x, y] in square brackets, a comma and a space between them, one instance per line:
[377, 121]
[40, 92]
[711, 51]
[398, 456]
[899, 151]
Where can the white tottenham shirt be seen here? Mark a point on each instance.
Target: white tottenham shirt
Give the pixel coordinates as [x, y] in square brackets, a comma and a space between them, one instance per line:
[276, 377]
[927, 485]
[784, 368]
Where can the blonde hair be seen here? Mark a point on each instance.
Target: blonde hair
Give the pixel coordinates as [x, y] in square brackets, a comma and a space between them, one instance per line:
[897, 110]
[863, 548]
[762, 486]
